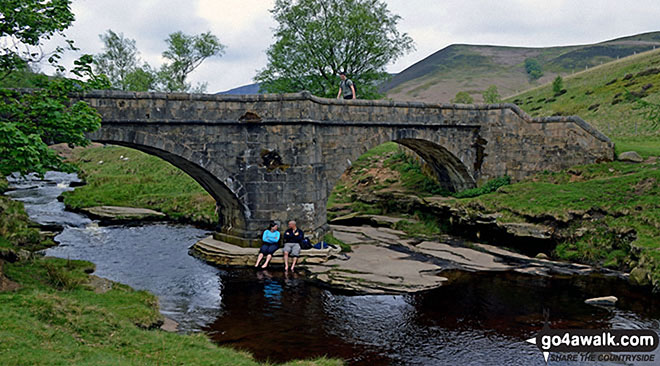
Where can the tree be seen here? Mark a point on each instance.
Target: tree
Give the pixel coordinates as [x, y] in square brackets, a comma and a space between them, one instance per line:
[558, 85]
[24, 25]
[491, 95]
[120, 62]
[533, 68]
[317, 39]
[185, 53]
[141, 79]
[463, 97]
[31, 121]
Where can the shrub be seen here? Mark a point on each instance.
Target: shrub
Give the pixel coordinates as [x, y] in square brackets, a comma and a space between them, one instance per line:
[490, 186]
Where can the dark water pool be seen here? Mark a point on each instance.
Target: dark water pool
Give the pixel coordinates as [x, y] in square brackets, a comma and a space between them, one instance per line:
[478, 319]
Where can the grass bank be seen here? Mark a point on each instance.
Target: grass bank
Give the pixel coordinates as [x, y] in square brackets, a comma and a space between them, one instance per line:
[57, 317]
[608, 213]
[118, 176]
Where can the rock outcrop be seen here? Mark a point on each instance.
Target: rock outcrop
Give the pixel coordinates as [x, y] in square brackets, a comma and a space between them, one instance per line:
[226, 254]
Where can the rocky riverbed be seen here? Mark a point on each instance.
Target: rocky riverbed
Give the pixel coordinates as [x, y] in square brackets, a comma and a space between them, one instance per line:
[384, 260]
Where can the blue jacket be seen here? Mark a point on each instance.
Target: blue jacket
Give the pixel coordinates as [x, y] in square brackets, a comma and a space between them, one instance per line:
[271, 237]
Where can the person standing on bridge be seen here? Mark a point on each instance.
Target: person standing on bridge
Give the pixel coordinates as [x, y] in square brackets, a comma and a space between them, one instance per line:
[346, 87]
[271, 239]
[292, 239]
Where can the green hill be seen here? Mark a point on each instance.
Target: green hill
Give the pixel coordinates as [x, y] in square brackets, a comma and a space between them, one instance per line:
[473, 68]
[599, 95]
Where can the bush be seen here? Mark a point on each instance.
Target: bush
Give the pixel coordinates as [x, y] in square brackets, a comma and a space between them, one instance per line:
[558, 85]
[463, 97]
[490, 186]
[533, 68]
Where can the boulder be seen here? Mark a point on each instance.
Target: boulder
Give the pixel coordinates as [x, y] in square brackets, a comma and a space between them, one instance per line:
[542, 256]
[605, 300]
[640, 276]
[631, 156]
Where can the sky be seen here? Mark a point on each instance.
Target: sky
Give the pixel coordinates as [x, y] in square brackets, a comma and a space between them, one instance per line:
[246, 27]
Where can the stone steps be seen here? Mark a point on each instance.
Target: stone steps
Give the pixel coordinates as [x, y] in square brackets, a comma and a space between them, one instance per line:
[226, 254]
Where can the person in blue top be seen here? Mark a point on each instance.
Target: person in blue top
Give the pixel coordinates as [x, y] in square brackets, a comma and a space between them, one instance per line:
[271, 239]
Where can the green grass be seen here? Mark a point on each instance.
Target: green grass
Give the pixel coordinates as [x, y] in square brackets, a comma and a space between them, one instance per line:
[142, 181]
[330, 239]
[599, 97]
[644, 145]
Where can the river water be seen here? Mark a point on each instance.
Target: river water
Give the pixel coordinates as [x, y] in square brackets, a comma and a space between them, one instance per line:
[477, 319]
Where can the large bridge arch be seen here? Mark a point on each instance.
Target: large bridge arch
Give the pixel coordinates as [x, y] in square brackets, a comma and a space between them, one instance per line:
[232, 211]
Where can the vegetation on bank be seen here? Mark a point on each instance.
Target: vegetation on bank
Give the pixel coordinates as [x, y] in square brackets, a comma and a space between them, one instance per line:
[53, 314]
[608, 213]
[119, 176]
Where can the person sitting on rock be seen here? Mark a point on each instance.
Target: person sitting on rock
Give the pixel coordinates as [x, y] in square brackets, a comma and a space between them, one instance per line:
[292, 239]
[271, 239]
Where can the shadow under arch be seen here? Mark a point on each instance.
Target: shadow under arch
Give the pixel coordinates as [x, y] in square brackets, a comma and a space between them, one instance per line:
[450, 171]
[231, 212]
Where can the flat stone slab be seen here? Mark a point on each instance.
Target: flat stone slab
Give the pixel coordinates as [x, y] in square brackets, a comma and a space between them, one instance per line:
[378, 269]
[122, 213]
[225, 254]
[384, 261]
[467, 258]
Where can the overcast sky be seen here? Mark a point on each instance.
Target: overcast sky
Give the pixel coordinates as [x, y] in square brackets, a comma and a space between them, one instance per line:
[245, 27]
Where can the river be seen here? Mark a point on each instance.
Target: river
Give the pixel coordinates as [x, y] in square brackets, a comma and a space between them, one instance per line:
[477, 319]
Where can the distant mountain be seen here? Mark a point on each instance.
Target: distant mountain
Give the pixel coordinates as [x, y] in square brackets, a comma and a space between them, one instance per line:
[245, 89]
[473, 68]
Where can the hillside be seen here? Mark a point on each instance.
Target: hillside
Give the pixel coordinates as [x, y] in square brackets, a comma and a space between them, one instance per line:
[598, 95]
[473, 68]
[244, 89]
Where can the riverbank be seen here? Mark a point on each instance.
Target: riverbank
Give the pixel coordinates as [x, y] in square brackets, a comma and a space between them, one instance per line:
[118, 176]
[54, 312]
[604, 215]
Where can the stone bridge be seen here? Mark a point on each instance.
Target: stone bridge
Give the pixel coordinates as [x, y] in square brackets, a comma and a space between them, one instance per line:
[278, 157]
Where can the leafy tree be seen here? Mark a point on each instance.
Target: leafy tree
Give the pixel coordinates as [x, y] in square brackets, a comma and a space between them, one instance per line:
[142, 78]
[463, 97]
[31, 121]
[185, 53]
[557, 85]
[120, 62]
[491, 95]
[317, 39]
[24, 25]
[533, 68]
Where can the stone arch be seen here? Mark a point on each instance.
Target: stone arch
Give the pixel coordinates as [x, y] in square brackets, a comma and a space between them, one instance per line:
[451, 172]
[227, 192]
